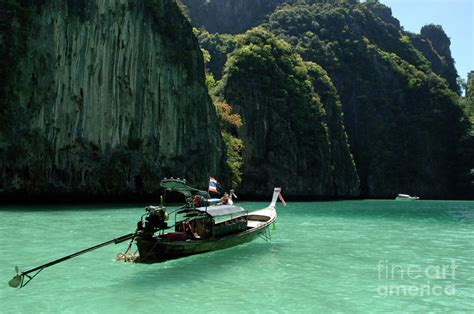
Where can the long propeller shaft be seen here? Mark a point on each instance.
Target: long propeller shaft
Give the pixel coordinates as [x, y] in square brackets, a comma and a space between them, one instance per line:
[18, 279]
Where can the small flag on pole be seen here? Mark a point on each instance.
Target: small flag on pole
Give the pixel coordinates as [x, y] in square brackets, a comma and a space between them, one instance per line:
[215, 186]
[281, 199]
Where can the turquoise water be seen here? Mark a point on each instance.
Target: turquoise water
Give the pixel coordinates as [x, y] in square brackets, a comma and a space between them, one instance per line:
[351, 256]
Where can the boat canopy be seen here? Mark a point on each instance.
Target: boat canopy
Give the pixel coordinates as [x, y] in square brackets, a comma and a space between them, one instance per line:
[222, 210]
[179, 185]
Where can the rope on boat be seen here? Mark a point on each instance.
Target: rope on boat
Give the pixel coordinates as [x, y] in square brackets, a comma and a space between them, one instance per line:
[128, 256]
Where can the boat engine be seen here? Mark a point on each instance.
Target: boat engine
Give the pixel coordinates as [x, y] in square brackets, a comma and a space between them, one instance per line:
[155, 220]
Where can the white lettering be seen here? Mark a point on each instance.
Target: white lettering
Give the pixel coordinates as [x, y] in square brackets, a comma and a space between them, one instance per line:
[432, 272]
[415, 271]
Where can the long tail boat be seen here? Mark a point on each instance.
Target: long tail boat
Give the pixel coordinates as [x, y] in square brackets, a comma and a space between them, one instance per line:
[201, 228]
[198, 227]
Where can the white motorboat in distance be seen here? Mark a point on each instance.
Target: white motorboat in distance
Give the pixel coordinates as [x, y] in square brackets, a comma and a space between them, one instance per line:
[406, 197]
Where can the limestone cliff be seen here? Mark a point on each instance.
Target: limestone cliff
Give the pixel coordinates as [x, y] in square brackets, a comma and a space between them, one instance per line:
[435, 46]
[229, 16]
[405, 125]
[292, 125]
[103, 97]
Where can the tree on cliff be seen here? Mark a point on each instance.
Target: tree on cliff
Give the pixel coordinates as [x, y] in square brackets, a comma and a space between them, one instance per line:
[470, 94]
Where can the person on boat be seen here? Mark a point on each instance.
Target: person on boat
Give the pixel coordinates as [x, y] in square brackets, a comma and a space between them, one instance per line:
[200, 201]
[226, 199]
[186, 227]
[197, 200]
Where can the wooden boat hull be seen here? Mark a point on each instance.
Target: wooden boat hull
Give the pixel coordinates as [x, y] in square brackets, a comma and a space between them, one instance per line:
[155, 250]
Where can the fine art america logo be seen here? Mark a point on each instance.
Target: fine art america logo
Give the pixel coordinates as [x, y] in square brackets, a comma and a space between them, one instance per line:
[415, 280]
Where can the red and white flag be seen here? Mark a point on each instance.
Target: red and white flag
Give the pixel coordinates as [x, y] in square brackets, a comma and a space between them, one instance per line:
[214, 186]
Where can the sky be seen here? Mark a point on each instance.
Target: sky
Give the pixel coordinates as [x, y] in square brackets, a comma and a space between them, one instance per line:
[456, 17]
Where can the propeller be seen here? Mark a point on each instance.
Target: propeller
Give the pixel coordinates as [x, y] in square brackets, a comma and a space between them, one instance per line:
[16, 281]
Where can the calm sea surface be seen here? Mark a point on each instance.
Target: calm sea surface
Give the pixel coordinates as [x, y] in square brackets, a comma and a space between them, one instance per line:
[350, 256]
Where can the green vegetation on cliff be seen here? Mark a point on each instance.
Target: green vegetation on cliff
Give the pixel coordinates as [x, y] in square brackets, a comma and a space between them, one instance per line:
[397, 91]
[285, 131]
[230, 123]
[108, 97]
[218, 46]
[434, 44]
[468, 149]
[404, 124]
[470, 96]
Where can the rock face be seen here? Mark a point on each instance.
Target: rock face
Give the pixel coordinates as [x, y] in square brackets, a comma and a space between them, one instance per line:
[292, 136]
[345, 180]
[405, 125]
[435, 46]
[229, 16]
[469, 146]
[406, 129]
[106, 97]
